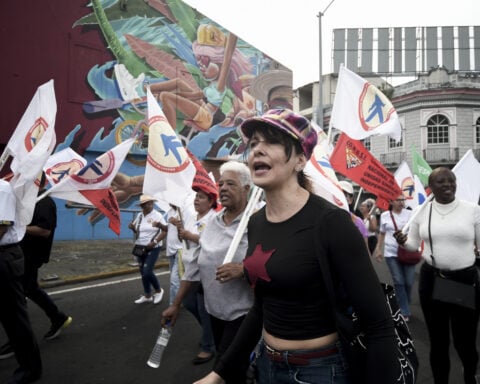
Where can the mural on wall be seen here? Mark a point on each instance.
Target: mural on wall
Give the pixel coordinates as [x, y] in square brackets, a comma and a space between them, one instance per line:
[206, 79]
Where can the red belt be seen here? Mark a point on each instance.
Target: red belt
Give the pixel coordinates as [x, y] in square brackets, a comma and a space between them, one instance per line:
[298, 358]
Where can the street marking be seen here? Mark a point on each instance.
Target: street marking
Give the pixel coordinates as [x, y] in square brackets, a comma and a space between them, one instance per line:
[102, 284]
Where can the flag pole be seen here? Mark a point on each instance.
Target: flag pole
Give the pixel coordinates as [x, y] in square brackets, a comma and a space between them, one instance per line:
[4, 158]
[358, 198]
[252, 202]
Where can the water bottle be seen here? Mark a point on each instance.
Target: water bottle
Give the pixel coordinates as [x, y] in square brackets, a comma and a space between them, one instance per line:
[157, 352]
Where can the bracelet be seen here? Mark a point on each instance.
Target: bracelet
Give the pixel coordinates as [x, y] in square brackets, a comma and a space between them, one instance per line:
[155, 241]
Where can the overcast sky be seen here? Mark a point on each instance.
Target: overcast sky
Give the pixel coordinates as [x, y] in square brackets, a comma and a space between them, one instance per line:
[288, 31]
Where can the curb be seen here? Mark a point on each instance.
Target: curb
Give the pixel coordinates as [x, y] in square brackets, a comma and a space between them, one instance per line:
[97, 276]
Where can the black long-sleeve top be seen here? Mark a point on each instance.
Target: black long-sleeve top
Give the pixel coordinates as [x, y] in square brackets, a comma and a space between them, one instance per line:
[291, 301]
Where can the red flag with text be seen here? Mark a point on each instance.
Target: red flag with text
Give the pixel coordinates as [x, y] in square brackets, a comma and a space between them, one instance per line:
[353, 160]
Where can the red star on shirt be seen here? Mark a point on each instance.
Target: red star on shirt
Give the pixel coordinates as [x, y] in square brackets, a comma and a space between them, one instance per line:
[255, 265]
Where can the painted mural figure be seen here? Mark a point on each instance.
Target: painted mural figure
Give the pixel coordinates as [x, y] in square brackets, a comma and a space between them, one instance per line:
[221, 64]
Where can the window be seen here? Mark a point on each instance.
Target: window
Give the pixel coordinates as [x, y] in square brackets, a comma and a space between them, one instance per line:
[368, 144]
[437, 130]
[393, 144]
[477, 131]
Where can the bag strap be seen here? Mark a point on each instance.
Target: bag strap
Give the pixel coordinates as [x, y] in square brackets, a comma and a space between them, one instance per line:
[430, 233]
[139, 217]
[393, 221]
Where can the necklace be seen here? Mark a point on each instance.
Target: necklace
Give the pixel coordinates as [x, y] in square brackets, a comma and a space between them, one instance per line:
[444, 209]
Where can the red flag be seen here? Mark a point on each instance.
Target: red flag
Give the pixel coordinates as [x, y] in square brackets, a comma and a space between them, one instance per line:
[353, 160]
[106, 202]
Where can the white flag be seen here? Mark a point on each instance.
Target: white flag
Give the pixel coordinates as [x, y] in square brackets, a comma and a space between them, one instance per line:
[169, 171]
[320, 172]
[404, 178]
[467, 171]
[63, 163]
[420, 193]
[91, 184]
[30, 145]
[361, 110]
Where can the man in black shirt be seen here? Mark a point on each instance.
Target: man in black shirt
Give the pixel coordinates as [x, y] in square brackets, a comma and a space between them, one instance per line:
[36, 246]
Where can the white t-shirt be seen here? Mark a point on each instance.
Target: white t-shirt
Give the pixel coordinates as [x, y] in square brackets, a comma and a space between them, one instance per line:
[146, 230]
[15, 231]
[454, 227]
[387, 227]
[190, 256]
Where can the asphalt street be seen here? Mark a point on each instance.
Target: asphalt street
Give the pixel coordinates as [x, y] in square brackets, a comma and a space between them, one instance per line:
[111, 338]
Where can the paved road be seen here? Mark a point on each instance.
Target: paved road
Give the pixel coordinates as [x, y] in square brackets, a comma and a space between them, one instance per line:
[110, 338]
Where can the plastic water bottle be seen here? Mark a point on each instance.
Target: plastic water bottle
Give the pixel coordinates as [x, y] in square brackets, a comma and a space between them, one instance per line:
[157, 352]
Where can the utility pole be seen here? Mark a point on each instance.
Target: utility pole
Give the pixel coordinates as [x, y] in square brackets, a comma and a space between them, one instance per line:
[320, 77]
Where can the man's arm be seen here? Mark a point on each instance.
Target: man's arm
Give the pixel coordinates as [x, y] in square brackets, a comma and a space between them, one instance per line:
[35, 230]
[3, 230]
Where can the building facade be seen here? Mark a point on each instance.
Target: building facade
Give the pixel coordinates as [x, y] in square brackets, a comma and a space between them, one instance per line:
[439, 112]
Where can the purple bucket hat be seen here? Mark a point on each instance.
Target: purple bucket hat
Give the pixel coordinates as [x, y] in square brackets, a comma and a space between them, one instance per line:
[287, 121]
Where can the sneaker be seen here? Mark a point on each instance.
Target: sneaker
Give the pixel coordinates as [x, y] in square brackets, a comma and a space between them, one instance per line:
[144, 299]
[57, 327]
[157, 297]
[6, 351]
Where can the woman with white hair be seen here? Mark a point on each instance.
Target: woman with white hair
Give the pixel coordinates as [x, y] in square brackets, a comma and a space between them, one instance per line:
[227, 299]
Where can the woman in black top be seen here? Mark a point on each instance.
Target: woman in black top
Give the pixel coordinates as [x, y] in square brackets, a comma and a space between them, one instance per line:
[292, 313]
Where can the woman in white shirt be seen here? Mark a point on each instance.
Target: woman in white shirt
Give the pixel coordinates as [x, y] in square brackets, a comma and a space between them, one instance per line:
[454, 226]
[403, 275]
[205, 204]
[151, 237]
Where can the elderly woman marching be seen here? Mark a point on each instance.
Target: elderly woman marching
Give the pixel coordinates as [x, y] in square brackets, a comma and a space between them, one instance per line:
[227, 295]
[292, 313]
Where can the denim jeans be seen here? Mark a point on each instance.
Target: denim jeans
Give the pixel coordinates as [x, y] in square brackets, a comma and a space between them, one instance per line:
[174, 276]
[325, 370]
[147, 265]
[403, 277]
[194, 302]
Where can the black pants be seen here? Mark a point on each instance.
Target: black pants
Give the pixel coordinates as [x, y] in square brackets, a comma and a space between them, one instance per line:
[223, 333]
[441, 318]
[13, 311]
[37, 294]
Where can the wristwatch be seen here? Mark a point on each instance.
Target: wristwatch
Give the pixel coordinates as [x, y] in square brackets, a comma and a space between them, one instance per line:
[155, 241]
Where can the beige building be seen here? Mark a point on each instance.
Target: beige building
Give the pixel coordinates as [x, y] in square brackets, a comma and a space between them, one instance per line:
[439, 112]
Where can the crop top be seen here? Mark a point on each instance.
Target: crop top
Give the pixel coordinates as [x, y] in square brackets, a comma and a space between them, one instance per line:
[291, 300]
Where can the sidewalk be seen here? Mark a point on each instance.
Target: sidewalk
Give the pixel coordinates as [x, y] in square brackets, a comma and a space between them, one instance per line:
[78, 261]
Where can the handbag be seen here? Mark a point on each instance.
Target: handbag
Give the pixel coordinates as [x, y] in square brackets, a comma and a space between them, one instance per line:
[453, 287]
[139, 250]
[404, 256]
[352, 336]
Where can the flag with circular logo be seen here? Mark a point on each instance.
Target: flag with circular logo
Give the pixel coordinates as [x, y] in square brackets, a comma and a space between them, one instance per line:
[361, 110]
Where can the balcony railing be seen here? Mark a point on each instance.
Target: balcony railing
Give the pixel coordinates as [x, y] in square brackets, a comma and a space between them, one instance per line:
[441, 155]
[392, 158]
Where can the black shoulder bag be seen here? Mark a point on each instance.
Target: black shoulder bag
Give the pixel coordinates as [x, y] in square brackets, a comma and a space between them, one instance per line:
[352, 336]
[453, 287]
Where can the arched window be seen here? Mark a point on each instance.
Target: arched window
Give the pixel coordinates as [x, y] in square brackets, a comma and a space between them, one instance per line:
[437, 130]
